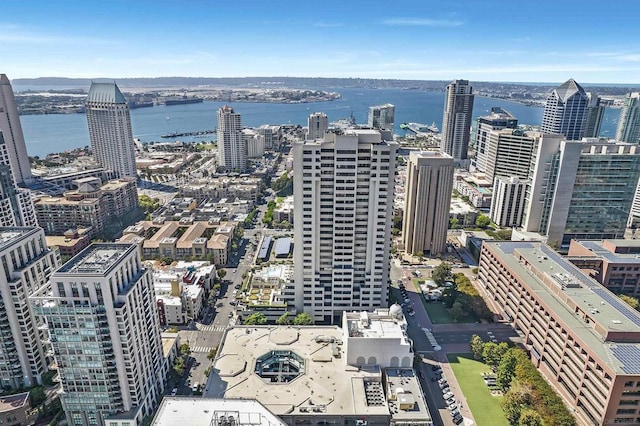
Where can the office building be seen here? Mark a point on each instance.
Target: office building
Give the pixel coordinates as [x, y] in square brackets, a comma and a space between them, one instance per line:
[507, 152]
[16, 205]
[427, 199]
[456, 121]
[110, 130]
[318, 124]
[382, 117]
[498, 119]
[594, 115]
[628, 129]
[565, 111]
[232, 150]
[103, 323]
[507, 203]
[11, 128]
[343, 205]
[581, 190]
[581, 337]
[27, 264]
[197, 411]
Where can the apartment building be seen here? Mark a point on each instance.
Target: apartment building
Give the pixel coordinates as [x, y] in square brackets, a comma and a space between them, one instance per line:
[456, 119]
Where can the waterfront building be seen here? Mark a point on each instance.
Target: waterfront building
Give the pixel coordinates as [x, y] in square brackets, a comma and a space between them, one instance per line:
[456, 121]
[114, 366]
[594, 115]
[232, 150]
[565, 111]
[27, 264]
[507, 204]
[498, 119]
[581, 189]
[11, 128]
[110, 129]
[580, 336]
[382, 117]
[343, 205]
[628, 129]
[428, 196]
[317, 125]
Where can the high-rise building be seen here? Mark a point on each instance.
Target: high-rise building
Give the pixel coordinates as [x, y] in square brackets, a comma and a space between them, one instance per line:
[498, 119]
[16, 205]
[565, 111]
[427, 200]
[12, 129]
[103, 323]
[318, 124]
[27, 263]
[343, 206]
[508, 153]
[232, 150]
[507, 203]
[593, 119]
[382, 117]
[629, 122]
[110, 129]
[581, 189]
[456, 121]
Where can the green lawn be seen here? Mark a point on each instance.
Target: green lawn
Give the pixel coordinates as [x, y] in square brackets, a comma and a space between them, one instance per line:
[437, 312]
[484, 407]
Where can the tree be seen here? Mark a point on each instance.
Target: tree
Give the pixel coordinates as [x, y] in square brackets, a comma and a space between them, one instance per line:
[453, 223]
[476, 346]
[483, 221]
[303, 318]
[506, 370]
[456, 311]
[283, 319]
[490, 354]
[441, 273]
[631, 301]
[257, 318]
[185, 350]
[212, 353]
[529, 417]
[222, 273]
[514, 401]
[37, 396]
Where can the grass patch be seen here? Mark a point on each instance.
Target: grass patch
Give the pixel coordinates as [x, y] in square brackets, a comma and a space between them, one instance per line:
[484, 407]
[438, 314]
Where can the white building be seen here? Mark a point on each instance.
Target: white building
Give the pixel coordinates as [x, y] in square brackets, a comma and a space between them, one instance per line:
[16, 204]
[318, 124]
[27, 265]
[255, 143]
[427, 200]
[628, 129]
[110, 129]
[103, 322]
[343, 205]
[12, 129]
[456, 120]
[232, 150]
[382, 117]
[498, 119]
[507, 203]
[565, 111]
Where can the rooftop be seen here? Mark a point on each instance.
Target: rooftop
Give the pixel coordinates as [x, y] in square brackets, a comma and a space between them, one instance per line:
[97, 259]
[11, 402]
[614, 251]
[105, 93]
[11, 235]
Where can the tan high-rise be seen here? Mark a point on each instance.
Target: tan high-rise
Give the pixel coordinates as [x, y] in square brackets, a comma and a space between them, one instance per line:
[426, 209]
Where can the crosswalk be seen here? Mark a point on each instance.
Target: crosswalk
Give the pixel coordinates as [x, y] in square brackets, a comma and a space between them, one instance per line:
[218, 328]
[201, 349]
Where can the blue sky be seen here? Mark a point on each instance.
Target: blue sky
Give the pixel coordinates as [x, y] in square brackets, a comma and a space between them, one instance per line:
[481, 40]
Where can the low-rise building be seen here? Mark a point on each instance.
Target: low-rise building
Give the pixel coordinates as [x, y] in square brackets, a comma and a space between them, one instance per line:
[284, 210]
[14, 409]
[213, 412]
[214, 189]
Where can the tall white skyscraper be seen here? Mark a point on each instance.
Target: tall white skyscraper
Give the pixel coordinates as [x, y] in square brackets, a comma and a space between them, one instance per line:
[382, 117]
[318, 124]
[232, 150]
[27, 264]
[593, 118]
[629, 122]
[110, 129]
[16, 204]
[343, 205]
[565, 111]
[103, 323]
[427, 200]
[456, 121]
[12, 129]
[498, 119]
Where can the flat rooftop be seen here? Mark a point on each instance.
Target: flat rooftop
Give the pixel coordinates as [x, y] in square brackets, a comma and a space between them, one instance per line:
[97, 259]
[567, 285]
[323, 385]
[11, 235]
[11, 402]
[606, 250]
[213, 412]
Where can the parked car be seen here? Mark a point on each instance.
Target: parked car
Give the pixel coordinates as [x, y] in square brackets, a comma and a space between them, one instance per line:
[455, 413]
[453, 406]
[174, 391]
[448, 395]
[457, 419]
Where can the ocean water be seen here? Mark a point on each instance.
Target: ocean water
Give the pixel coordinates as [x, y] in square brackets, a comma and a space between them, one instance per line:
[58, 132]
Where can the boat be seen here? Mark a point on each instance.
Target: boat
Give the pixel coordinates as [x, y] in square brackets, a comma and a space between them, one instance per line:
[183, 100]
[404, 126]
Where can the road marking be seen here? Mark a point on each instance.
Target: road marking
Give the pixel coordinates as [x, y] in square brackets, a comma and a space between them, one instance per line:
[202, 349]
[218, 328]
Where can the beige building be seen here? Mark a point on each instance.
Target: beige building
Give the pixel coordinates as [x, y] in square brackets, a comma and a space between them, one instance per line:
[427, 199]
[582, 338]
[14, 410]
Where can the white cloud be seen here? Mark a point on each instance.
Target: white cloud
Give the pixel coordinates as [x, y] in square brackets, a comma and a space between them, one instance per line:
[422, 22]
[17, 34]
[328, 24]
